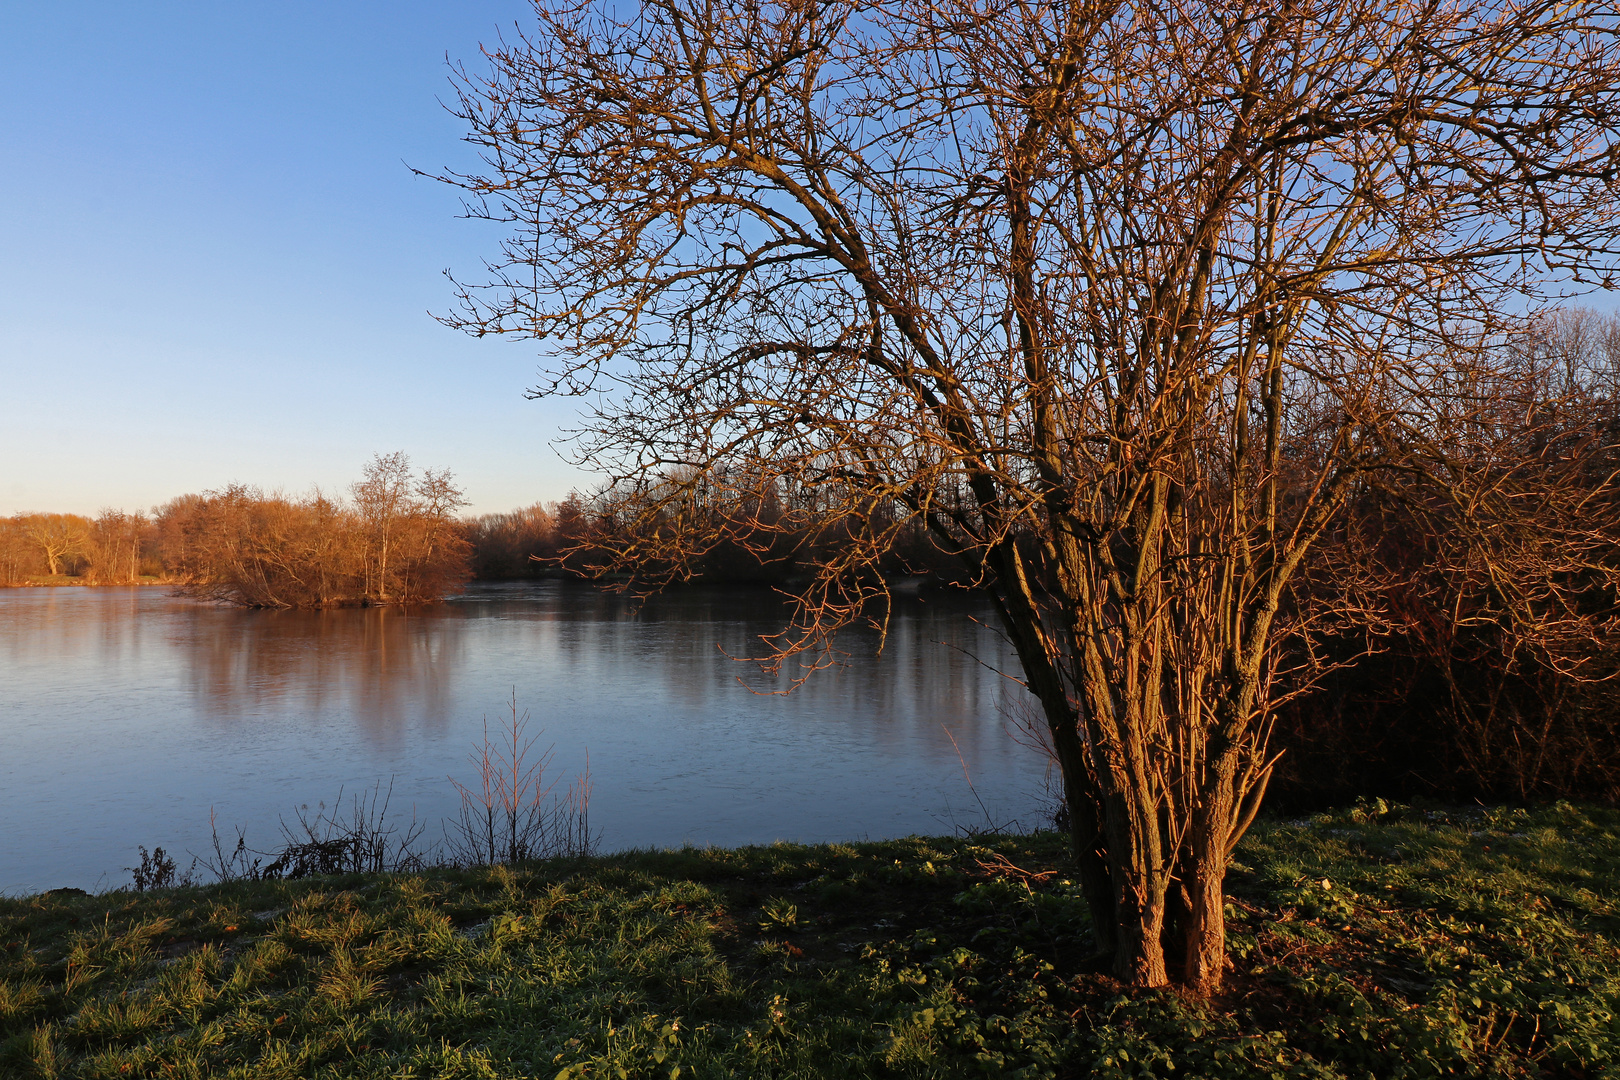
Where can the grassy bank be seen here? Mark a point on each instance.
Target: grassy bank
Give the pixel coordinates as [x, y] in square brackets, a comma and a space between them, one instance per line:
[1365, 943]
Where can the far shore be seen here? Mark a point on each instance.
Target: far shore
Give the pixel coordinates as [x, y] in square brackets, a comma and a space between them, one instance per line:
[52, 581]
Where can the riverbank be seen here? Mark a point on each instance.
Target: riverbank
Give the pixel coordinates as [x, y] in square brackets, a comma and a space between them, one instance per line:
[1379, 941]
[51, 581]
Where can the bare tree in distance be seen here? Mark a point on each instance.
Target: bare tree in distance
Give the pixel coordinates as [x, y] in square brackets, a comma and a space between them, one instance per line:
[512, 544]
[18, 553]
[113, 546]
[382, 497]
[1121, 302]
[397, 543]
[57, 536]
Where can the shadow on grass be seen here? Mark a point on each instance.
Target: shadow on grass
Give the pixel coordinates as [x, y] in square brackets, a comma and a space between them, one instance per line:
[1371, 941]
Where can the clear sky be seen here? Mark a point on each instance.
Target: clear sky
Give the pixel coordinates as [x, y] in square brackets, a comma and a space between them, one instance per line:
[216, 265]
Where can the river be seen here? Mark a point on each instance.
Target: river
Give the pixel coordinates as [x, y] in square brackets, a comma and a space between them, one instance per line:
[132, 717]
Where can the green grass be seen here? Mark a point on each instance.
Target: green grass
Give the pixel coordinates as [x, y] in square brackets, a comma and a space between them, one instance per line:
[1381, 942]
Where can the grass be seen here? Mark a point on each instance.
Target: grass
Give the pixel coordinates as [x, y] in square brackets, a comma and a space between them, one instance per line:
[1374, 942]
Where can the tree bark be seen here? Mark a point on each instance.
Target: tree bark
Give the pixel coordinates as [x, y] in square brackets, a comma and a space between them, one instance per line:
[1203, 879]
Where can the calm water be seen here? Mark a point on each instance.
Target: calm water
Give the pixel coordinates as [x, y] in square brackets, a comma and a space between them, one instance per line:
[127, 716]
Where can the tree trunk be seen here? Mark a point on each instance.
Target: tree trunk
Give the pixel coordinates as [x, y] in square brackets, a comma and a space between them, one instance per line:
[1136, 870]
[1085, 837]
[382, 568]
[1203, 879]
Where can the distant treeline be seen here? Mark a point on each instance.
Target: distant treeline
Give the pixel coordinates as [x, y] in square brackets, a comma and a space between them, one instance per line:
[111, 548]
[395, 539]
[764, 540]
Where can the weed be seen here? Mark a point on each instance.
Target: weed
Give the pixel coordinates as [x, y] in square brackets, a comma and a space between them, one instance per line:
[779, 915]
[238, 865]
[513, 815]
[364, 841]
[158, 871]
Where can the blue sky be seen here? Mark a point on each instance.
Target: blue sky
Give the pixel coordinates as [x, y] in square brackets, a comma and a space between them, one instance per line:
[216, 265]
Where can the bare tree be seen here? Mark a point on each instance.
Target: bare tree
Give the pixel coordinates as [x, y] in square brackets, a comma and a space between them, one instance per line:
[19, 555]
[382, 497]
[113, 546]
[1120, 302]
[58, 537]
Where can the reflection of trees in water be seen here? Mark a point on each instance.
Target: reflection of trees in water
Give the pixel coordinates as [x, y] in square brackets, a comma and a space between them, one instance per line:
[117, 630]
[381, 667]
[39, 625]
[388, 671]
[937, 665]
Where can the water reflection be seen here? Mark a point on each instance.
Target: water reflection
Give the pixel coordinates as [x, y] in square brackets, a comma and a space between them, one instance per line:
[127, 714]
[382, 667]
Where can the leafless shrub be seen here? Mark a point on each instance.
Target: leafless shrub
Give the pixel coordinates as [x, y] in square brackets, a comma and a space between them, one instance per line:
[240, 863]
[364, 841]
[322, 841]
[513, 815]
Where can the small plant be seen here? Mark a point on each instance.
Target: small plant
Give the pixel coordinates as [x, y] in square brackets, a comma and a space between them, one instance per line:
[239, 865]
[324, 842]
[508, 818]
[990, 827]
[1367, 811]
[365, 841]
[779, 915]
[158, 871]
[513, 815]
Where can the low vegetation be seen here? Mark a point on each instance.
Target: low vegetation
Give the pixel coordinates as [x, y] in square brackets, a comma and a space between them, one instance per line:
[1380, 941]
[516, 811]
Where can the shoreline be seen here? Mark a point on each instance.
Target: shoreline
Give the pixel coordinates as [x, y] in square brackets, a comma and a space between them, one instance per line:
[72, 583]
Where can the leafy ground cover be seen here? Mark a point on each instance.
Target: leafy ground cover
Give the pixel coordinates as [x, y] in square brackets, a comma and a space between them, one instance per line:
[1375, 942]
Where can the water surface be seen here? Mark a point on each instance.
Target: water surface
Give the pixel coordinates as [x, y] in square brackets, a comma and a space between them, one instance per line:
[128, 716]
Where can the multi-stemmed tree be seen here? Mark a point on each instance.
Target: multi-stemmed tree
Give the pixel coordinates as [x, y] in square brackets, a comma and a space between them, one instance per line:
[1121, 302]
